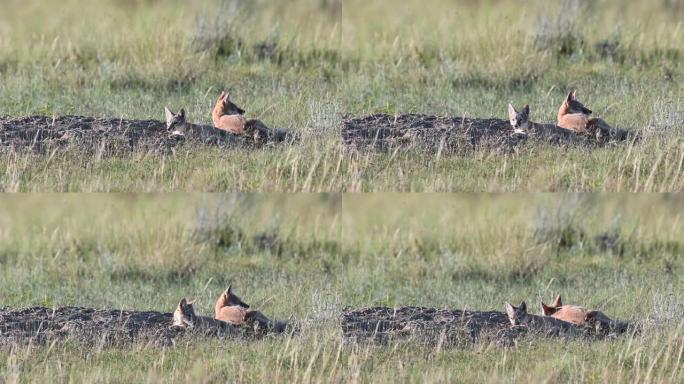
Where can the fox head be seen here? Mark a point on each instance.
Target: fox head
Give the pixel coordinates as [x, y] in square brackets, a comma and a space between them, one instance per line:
[517, 315]
[227, 107]
[228, 298]
[572, 105]
[174, 121]
[184, 316]
[549, 310]
[520, 120]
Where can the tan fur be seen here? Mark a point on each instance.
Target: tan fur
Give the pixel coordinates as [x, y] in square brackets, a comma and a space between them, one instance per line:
[233, 123]
[573, 313]
[233, 310]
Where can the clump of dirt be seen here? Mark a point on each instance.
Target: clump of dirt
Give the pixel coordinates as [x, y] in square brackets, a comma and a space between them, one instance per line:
[98, 135]
[427, 325]
[95, 327]
[451, 134]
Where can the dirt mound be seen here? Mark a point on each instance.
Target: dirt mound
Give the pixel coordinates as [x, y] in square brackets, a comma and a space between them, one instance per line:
[101, 135]
[426, 325]
[98, 327]
[449, 134]
[452, 327]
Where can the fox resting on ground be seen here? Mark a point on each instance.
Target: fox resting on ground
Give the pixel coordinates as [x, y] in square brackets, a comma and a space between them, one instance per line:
[229, 117]
[574, 116]
[582, 316]
[519, 317]
[233, 310]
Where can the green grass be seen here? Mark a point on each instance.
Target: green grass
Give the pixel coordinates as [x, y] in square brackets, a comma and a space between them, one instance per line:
[332, 251]
[304, 64]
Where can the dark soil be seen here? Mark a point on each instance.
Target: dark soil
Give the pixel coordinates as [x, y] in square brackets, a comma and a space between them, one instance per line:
[448, 327]
[451, 134]
[427, 325]
[40, 325]
[98, 135]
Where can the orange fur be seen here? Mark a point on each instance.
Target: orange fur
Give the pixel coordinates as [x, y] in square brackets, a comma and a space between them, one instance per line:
[233, 123]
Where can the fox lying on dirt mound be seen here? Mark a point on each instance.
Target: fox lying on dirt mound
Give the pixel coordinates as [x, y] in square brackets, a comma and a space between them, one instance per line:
[184, 317]
[233, 310]
[574, 116]
[178, 126]
[229, 117]
[519, 317]
[583, 317]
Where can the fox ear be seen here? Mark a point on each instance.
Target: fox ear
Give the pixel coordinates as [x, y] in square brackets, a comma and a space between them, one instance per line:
[523, 306]
[168, 113]
[571, 96]
[526, 110]
[558, 302]
[183, 303]
[511, 112]
[546, 310]
[181, 113]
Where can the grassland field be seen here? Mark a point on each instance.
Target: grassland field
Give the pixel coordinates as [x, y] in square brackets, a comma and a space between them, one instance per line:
[330, 251]
[304, 65]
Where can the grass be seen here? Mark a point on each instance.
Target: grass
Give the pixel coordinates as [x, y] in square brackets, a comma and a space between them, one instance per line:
[326, 252]
[303, 65]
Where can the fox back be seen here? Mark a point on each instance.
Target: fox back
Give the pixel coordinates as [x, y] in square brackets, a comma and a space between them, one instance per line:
[582, 316]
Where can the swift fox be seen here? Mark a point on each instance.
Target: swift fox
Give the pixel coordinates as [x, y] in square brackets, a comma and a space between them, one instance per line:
[231, 309]
[520, 120]
[228, 117]
[184, 317]
[177, 124]
[582, 316]
[519, 317]
[574, 116]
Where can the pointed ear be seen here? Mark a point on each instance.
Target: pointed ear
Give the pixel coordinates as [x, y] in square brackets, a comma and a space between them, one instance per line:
[182, 112]
[511, 112]
[558, 302]
[523, 306]
[230, 289]
[590, 315]
[183, 303]
[220, 98]
[168, 113]
[546, 310]
[526, 110]
[571, 96]
[191, 302]
[510, 310]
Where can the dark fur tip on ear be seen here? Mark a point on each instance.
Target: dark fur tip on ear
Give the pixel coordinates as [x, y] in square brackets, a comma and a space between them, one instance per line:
[183, 302]
[523, 306]
[182, 112]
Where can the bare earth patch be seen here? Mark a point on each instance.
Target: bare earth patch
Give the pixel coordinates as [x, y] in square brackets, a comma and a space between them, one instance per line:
[95, 327]
[101, 135]
[453, 134]
[440, 327]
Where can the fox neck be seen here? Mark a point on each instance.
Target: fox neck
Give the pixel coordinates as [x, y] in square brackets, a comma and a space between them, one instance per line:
[563, 110]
